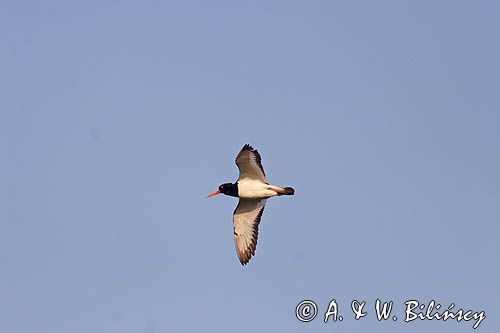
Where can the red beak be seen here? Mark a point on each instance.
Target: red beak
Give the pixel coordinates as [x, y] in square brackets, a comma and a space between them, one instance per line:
[212, 194]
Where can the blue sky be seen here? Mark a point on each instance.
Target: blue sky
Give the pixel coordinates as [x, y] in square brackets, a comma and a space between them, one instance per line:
[116, 118]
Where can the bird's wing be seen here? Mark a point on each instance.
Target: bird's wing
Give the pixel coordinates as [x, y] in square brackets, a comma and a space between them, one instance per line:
[246, 219]
[249, 163]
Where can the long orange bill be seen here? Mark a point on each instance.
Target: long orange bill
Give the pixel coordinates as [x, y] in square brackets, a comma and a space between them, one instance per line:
[212, 194]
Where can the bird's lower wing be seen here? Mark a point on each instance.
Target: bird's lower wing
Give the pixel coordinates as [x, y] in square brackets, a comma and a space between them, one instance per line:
[246, 219]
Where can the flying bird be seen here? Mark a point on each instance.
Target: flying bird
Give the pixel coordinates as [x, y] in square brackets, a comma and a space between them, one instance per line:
[253, 190]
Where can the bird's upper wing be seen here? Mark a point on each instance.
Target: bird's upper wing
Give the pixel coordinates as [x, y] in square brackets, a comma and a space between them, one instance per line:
[249, 163]
[246, 219]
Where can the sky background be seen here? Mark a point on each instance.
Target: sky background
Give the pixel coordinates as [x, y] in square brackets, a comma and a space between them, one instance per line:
[117, 117]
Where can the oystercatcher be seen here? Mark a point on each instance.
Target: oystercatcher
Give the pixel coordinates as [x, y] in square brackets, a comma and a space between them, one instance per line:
[253, 190]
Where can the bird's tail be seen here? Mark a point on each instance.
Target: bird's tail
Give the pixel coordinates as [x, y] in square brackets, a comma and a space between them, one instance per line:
[281, 190]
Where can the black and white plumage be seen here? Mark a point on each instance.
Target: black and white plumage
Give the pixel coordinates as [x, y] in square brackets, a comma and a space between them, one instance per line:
[253, 190]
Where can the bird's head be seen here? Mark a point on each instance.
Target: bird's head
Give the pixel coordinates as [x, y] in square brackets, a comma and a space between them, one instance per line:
[227, 189]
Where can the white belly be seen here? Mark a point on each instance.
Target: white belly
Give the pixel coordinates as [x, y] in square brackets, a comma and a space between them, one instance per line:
[254, 189]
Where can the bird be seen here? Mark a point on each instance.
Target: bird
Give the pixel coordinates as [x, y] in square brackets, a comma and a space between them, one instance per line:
[253, 190]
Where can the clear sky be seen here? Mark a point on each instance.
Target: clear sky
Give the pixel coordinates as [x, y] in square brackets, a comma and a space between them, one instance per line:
[117, 117]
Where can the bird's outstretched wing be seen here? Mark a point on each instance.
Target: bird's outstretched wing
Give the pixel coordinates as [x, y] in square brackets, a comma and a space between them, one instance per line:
[249, 163]
[246, 219]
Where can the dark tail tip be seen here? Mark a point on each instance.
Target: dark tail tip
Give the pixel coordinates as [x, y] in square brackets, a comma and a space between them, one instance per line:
[289, 191]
